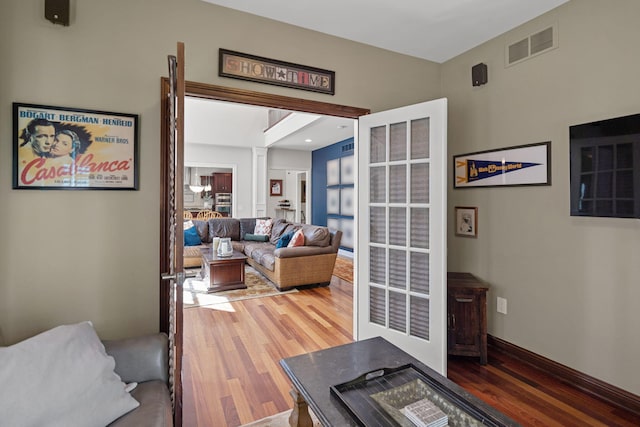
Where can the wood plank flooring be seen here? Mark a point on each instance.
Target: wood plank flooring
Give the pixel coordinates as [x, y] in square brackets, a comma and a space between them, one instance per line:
[231, 373]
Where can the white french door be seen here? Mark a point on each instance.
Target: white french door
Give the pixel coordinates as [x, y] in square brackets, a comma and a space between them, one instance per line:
[401, 255]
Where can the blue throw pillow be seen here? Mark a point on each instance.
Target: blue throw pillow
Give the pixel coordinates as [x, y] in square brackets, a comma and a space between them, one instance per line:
[284, 240]
[191, 237]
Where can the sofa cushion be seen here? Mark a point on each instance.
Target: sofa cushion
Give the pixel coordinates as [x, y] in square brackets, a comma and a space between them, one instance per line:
[247, 226]
[268, 261]
[203, 229]
[315, 235]
[278, 228]
[224, 227]
[263, 255]
[154, 410]
[61, 377]
[297, 239]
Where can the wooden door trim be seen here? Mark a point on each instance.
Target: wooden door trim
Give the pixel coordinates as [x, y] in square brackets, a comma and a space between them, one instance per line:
[261, 99]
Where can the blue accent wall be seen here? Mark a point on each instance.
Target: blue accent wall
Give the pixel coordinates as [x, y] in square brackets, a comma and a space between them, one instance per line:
[319, 159]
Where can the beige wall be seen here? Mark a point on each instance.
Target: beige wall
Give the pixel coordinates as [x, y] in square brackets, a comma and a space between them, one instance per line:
[572, 284]
[68, 256]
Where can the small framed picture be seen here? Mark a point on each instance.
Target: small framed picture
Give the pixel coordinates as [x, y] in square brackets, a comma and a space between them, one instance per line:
[275, 187]
[466, 221]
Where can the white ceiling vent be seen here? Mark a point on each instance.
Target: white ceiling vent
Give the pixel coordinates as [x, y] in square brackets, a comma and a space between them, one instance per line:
[533, 45]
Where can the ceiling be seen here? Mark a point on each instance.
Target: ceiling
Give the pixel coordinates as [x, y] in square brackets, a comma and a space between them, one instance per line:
[240, 125]
[435, 30]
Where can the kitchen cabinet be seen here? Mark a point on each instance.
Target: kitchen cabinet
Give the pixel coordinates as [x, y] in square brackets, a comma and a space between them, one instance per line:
[467, 316]
[222, 183]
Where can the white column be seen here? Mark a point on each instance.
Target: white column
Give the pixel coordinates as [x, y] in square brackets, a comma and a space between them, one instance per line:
[259, 160]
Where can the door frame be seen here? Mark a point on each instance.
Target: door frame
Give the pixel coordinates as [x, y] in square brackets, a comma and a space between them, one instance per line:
[241, 96]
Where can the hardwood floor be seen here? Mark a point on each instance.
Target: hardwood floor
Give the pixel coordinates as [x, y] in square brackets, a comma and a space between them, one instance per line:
[231, 373]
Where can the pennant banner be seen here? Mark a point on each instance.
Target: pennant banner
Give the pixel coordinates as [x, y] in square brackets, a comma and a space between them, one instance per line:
[521, 165]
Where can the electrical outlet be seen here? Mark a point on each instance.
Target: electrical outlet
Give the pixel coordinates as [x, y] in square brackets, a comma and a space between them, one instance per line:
[502, 305]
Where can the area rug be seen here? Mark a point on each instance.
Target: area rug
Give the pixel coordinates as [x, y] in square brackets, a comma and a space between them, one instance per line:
[280, 420]
[344, 269]
[195, 290]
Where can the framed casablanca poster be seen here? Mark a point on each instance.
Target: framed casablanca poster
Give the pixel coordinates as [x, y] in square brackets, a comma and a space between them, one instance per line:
[61, 148]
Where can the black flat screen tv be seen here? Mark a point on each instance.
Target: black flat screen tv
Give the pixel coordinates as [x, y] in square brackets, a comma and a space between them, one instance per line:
[605, 168]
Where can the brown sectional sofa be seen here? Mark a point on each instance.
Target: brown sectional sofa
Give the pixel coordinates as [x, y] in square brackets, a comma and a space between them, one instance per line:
[311, 264]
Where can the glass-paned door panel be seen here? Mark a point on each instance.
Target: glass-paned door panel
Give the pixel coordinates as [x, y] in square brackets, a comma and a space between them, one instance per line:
[397, 269]
[419, 227]
[419, 178]
[420, 139]
[402, 232]
[398, 311]
[378, 299]
[378, 265]
[419, 272]
[419, 321]
[398, 226]
[398, 141]
[378, 185]
[378, 225]
[378, 144]
[398, 183]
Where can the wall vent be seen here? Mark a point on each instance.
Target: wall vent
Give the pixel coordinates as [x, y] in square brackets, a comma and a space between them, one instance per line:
[533, 45]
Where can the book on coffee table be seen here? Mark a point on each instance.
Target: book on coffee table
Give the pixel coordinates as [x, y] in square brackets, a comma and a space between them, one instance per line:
[425, 413]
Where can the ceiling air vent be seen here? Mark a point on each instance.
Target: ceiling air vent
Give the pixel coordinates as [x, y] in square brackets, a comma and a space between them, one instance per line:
[533, 45]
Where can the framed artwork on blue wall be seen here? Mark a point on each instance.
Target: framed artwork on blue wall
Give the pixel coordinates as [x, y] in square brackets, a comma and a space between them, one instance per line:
[333, 172]
[347, 207]
[347, 170]
[333, 201]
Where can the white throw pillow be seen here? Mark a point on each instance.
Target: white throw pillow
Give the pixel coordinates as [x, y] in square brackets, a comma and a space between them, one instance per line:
[61, 377]
[263, 227]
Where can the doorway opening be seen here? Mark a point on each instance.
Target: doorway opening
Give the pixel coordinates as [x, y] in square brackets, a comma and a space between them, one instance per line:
[210, 92]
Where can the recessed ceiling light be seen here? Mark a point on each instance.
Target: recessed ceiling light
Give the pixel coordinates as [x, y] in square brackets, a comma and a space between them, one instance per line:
[308, 140]
[342, 126]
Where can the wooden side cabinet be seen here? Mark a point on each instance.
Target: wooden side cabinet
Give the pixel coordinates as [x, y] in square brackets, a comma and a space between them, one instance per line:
[467, 316]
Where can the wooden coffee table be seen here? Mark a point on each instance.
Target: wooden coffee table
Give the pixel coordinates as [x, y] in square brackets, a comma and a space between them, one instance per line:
[223, 273]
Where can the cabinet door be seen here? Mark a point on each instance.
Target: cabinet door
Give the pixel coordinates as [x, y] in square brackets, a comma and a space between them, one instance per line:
[464, 323]
[227, 182]
[222, 182]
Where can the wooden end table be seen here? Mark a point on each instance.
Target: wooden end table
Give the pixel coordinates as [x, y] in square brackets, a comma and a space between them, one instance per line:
[223, 273]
